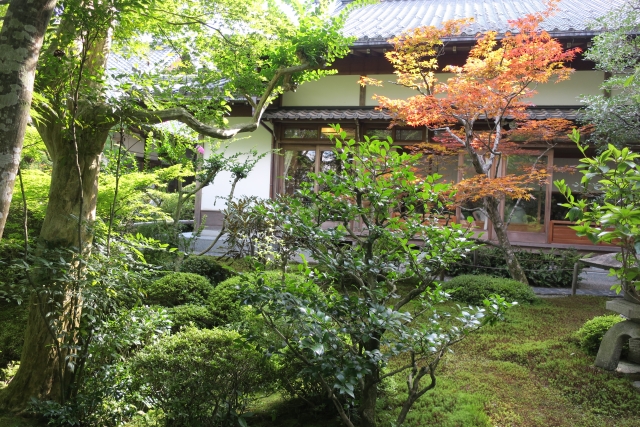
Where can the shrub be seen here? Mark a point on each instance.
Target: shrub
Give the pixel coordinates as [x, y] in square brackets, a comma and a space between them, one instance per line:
[105, 397]
[208, 267]
[178, 289]
[225, 301]
[199, 315]
[472, 289]
[552, 269]
[591, 333]
[13, 322]
[201, 377]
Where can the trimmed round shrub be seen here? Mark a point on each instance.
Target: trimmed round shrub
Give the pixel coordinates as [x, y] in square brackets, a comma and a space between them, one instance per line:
[472, 289]
[208, 267]
[178, 289]
[225, 302]
[591, 333]
[198, 315]
[201, 377]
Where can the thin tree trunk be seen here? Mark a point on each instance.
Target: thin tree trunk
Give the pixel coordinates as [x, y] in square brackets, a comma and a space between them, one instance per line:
[21, 39]
[492, 206]
[369, 396]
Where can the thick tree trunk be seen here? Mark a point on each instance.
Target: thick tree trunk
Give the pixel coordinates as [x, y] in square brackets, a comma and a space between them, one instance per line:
[492, 206]
[21, 38]
[39, 374]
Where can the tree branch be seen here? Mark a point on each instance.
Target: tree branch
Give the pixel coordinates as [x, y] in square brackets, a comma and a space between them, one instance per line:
[184, 116]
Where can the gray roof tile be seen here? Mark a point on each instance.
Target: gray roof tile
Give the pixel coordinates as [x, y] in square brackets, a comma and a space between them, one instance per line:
[536, 113]
[375, 24]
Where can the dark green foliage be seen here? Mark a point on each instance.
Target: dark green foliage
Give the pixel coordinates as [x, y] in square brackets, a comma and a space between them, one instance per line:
[199, 315]
[106, 397]
[552, 269]
[201, 377]
[471, 289]
[591, 333]
[208, 267]
[225, 302]
[13, 322]
[178, 289]
[9, 252]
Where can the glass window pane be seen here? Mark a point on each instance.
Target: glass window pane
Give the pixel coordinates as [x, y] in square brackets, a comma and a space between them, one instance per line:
[447, 166]
[564, 168]
[526, 215]
[380, 134]
[300, 133]
[297, 165]
[327, 131]
[329, 162]
[409, 135]
[473, 209]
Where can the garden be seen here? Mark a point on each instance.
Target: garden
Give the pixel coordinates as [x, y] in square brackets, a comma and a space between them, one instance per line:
[330, 305]
[359, 332]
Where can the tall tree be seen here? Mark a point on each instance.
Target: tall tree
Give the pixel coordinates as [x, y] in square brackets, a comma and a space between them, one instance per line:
[616, 51]
[21, 38]
[471, 107]
[215, 50]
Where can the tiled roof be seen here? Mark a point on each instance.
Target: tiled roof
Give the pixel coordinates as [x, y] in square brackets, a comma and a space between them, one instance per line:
[375, 24]
[327, 114]
[154, 60]
[536, 113]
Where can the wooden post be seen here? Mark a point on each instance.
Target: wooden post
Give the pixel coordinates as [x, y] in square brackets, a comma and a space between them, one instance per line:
[574, 279]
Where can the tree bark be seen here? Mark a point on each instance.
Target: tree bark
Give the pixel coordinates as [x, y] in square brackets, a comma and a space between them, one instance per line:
[39, 374]
[369, 396]
[21, 38]
[492, 206]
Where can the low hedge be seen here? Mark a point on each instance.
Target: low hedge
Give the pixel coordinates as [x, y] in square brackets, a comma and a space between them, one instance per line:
[553, 269]
[474, 289]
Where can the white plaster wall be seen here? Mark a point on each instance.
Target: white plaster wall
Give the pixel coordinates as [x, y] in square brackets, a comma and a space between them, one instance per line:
[393, 91]
[259, 180]
[344, 91]
[568, 92]
[335, 91]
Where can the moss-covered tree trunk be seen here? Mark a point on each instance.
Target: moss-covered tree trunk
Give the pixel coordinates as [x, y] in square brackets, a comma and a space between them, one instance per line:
[21, 39]
[69, 215]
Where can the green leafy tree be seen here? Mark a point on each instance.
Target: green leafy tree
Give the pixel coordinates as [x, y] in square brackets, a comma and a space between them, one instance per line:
[373, 227]
[219, 49]
[615, 216]
[616, 113]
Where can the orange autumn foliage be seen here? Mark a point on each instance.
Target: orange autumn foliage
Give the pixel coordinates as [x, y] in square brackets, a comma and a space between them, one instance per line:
[494, 85]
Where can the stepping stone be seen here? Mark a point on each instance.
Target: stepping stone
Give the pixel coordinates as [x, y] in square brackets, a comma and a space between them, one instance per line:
[628, 368]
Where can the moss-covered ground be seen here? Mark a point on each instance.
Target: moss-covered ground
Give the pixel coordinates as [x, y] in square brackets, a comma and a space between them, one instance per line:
[527, 371]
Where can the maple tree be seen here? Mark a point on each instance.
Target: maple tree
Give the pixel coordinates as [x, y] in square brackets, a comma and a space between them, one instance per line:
[469, 110]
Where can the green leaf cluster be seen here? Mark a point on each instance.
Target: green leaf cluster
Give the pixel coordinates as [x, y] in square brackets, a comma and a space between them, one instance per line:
[615, 217]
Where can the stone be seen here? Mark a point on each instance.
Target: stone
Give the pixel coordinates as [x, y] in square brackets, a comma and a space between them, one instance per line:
[636, 384]
[626, 308]
[628, 368]
[611, 345]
